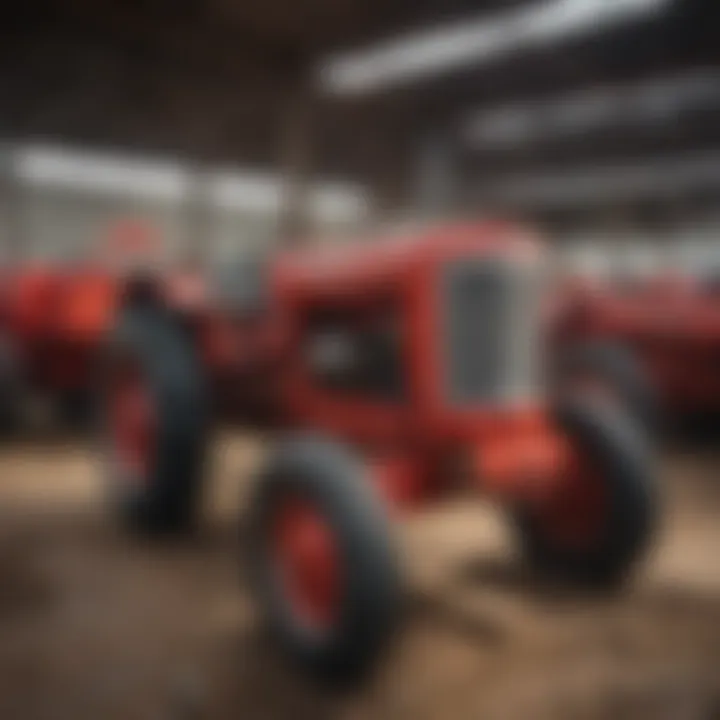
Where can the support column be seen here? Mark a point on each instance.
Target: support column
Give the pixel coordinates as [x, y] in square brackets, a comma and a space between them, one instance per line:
[197, 214]
[296, 159]
[390, 191]
[12, 227]
[436, 181]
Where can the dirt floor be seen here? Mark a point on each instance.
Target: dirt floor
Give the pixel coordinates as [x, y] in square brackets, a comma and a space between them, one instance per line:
[96, 626]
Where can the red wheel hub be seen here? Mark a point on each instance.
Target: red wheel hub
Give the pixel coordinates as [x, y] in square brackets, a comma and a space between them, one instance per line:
[574, 515]
[132, 420]
[307, 558]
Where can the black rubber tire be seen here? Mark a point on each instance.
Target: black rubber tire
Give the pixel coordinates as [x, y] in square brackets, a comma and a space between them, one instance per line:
[331, 478]
[168, 499]
[617, 369]
[620, 449]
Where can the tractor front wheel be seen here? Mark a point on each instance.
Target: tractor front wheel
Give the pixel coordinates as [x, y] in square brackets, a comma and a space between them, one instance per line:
[321, 559]
[599, 518]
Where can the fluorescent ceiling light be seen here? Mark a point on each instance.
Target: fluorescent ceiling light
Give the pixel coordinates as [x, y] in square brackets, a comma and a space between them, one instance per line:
[473, 41]
[259, 192]
[127, 177]
[253, 192]
[656, 100]
[336, 201]
[659, 178]
[99, 173]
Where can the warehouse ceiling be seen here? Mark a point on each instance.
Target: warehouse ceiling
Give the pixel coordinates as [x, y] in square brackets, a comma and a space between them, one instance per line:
[218, 80]
[206, 78]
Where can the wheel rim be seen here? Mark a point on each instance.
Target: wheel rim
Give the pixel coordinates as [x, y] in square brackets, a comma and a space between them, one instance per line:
[132, 420]
[574, 516]
[308, 564]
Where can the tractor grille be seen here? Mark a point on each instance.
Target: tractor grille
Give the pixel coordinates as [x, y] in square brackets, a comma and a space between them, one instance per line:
[491, 321]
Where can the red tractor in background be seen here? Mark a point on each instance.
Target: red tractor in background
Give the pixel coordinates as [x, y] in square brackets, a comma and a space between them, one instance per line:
[391, 374]
[581, 357]
[54, 319]
[593, 287]
[668, 326]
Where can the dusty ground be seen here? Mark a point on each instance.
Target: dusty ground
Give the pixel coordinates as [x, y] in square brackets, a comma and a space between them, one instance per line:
[95, 626]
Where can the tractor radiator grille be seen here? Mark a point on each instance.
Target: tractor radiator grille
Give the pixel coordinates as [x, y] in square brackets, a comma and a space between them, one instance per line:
[491, 322]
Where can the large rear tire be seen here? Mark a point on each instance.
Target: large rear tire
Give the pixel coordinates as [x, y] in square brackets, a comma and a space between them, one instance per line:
[600, 518]
[322, 562]
[153, 423]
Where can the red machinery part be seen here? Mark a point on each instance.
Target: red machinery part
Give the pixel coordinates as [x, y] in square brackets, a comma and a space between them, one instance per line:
[318, 534]
[573, 513]
[132, 421]
[307, 562]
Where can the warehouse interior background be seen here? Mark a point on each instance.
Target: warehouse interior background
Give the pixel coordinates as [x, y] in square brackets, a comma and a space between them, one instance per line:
[228, 124]
[220, 128]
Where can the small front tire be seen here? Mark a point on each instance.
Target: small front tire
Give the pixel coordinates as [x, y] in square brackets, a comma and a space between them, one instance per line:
[321, 558]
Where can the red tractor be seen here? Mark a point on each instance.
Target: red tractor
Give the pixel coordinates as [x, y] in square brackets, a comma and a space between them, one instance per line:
[668, 326]
[393, 373]
[54, 319]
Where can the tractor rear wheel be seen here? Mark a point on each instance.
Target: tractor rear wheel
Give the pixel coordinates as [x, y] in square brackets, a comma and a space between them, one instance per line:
[154, 422]
[321, 560]
[599, 519]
